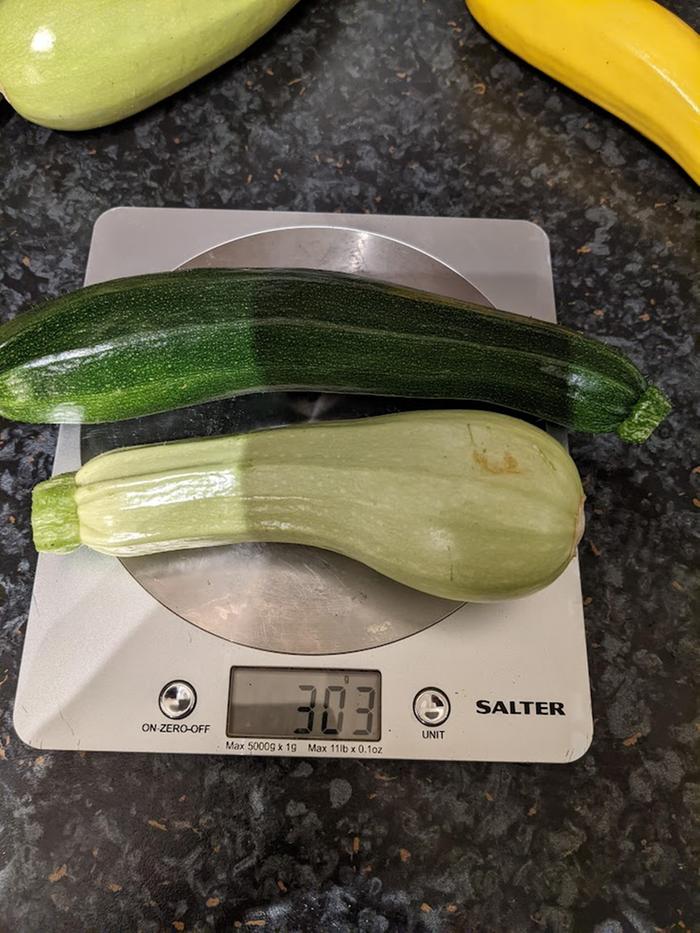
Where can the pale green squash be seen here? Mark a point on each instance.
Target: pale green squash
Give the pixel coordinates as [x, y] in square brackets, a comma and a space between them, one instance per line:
[80, 64]
[467, 505]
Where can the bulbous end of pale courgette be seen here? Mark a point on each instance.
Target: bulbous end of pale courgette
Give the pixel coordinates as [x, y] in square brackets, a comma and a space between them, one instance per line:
[646, 416]
[55, 524]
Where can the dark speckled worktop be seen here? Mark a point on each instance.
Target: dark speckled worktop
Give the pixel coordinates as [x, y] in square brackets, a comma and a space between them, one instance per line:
[369, 105]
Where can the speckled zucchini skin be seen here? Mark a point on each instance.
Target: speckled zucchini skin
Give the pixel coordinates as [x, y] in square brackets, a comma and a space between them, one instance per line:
[136, 346]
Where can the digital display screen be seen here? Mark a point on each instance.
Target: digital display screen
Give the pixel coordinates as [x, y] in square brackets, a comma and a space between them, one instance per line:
[287, 703]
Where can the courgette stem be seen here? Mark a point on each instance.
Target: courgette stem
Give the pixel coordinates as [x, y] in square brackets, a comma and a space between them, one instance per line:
[55, 523]
[646, 416]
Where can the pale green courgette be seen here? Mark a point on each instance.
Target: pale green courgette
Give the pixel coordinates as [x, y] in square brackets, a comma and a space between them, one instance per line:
[467, 505]
[79, 64]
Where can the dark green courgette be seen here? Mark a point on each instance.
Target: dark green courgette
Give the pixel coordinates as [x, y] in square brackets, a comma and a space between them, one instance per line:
[136, 346]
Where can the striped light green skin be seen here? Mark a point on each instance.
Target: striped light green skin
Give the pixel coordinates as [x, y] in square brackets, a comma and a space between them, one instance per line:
[137, 346]
[80, 64]
[467, 505]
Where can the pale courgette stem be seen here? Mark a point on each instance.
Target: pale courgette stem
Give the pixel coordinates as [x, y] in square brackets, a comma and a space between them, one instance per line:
[55, 524]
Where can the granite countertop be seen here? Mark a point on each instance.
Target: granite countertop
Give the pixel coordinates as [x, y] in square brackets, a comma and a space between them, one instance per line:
[399, 108]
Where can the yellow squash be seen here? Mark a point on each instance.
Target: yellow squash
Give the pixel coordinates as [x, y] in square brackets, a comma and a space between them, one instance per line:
[632, 57]
[80, 64]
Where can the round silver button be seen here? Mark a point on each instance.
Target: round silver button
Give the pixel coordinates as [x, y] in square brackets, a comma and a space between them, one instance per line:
[431, 706]
[177, 699]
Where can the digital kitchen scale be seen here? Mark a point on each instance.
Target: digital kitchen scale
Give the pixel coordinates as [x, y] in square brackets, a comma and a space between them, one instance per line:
[286, 650]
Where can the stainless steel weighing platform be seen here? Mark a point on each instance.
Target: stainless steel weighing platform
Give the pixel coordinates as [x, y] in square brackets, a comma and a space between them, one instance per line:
[281, 649]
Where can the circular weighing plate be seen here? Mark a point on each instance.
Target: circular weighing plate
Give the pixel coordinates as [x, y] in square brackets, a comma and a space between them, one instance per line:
[278, 597]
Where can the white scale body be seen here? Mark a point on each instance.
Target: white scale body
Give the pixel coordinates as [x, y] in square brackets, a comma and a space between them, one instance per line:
[140, 658]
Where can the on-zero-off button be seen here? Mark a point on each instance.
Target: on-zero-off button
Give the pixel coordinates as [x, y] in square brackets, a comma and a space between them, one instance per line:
[177, 699]
[431, 706]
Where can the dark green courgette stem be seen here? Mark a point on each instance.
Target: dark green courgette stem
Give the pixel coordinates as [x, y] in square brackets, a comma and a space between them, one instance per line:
[136, 346]
[647, 414]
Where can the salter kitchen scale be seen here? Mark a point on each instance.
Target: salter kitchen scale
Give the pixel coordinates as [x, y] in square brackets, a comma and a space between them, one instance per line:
[287, 650]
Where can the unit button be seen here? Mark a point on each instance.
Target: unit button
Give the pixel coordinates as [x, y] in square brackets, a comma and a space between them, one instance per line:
[177, 699]
[431, 706]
